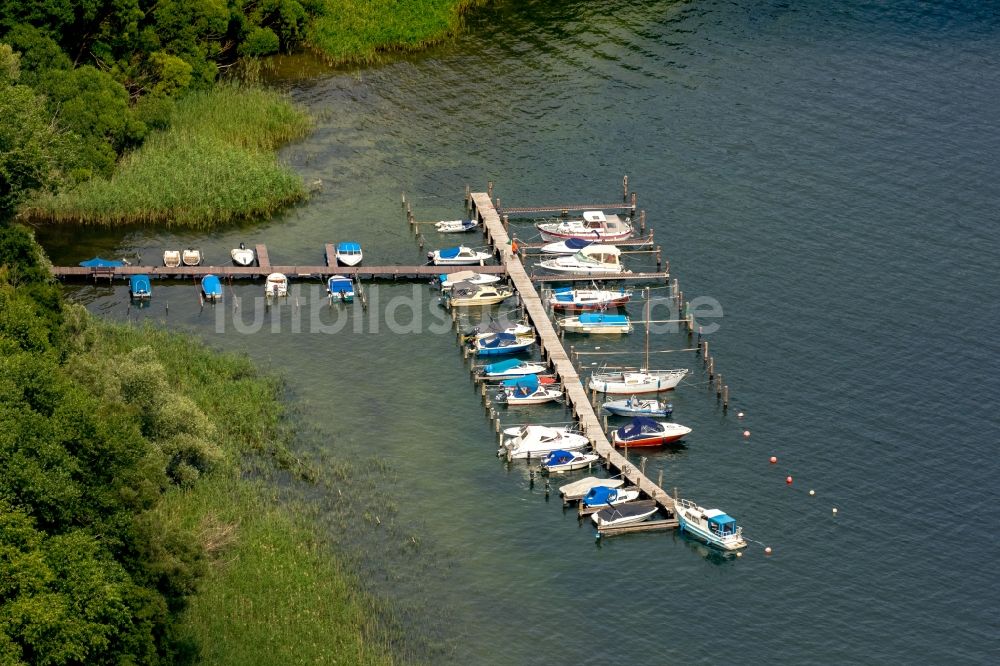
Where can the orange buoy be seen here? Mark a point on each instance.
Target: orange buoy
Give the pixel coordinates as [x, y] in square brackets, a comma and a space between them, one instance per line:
[788, 480]
[767, 550]
[774, 459]
[746, 433]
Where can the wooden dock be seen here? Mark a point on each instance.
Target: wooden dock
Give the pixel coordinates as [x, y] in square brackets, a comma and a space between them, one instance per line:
[553, 351]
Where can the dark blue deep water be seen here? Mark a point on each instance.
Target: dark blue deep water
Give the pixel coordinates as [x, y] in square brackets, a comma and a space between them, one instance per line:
[827, 172]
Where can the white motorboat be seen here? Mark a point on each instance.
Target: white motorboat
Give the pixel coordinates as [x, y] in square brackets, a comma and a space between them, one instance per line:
[191, 257]
[458, 256]
[172, 258]
[601, 496]
[644, 431]
[607, 228]
[467, 294]
[570, 245]
[638, 407]
[593, 259]
[449, 280]
[512, 368]
[533, 441]
[276, 285]
[242, 255]
[455, 226]
[348, 254]
[596, 323]
[710, 525]
[567, 461]
[572, 300]
[340, 287]
[624, 514]
[579, 489]
[527, 390]
[516, 329]
[640, 381]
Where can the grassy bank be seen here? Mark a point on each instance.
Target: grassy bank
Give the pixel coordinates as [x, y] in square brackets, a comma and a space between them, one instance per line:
[214, 164]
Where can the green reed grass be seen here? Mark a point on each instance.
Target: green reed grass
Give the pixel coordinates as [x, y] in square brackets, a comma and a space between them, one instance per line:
[214, 164]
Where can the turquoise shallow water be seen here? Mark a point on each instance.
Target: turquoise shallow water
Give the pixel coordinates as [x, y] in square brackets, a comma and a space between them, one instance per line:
[825, 172]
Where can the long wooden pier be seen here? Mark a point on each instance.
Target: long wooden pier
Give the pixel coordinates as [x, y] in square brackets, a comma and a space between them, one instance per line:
[552, 349]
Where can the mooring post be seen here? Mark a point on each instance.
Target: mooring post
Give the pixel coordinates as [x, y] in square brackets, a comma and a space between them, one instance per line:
[659, 479]
[642, 466]
[642, 219]
[489, 189]
[506, 223]
[725, 396]
[625, 188]
[633, 203]
[711, 368]
[404, 199]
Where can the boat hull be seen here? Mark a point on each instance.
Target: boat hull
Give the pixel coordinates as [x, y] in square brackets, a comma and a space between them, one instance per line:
[349, 260]
[624, 514]
[654, 440]
[569, 306]
[619, 411]
[583, 462]
[242, 257]
[558, 267]
[172, 259]
[551, 234]
[500, 351]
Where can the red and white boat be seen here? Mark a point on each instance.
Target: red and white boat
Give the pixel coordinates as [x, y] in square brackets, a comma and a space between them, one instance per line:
[642, 431]
[575, 300]
[595, 225]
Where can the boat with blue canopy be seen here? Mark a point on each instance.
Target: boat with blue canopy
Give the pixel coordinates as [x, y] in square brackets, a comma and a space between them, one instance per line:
[638, 407]
[603, 496]
[341, 287]
[349, 254]
[567, 461]
[512, 367]
[596, 323]
[502, 343]
[624, 514]
[211, 287]
[644, 431]
[98, 262]
[458, 256]
[455, 226]
[527, 390]
[139, 287]
[710, 525]
[570, 245]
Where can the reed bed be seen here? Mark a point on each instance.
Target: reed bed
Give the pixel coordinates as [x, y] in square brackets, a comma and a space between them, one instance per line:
[215, 164]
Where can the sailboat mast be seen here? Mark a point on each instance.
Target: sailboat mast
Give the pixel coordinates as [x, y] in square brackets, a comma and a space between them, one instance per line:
[646, 368]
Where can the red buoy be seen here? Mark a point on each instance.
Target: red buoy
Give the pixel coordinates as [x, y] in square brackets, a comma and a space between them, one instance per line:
[788, 480]
[774, 459]
[746, 433]
[767, 551]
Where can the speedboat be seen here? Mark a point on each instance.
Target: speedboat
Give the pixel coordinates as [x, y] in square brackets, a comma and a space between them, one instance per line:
[211, 288]
[644, 431]
[534, 441]
[527, 390]
[455, 226]
[570, 245]
[601, 496]
[449, 280]
[512, 368]
[502, 343]
[567, 298]
[458, 256]
[242, 255]
[172, 258]
[567, 461]
[638, 407]
[596, 322]
[191, 257]
[139, 287]
[710, 525]
[348, 254]
[494, 327]
[607, 228]
[624, 514]
[276, 285]
[594, 259]
[340, 286]
[467, 294]
[641, 381]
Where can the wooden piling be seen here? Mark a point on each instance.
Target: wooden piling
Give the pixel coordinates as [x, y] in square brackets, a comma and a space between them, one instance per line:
[625, 188]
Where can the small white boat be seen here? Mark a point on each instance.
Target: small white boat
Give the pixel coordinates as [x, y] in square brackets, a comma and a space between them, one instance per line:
[710, 525]
[567, 461]
[467, 294]
[276, 285]
[242, 255]
[458, 256]
[570, 245]
[601, 496]
[191, 257]
[527, 390]
[340, 287]
[638, 407]
[533, 441]
[641, 381]
[593, 259]
[607, 228]
[512, 368]
[516, 329]
[624, 514]
[455, 226]
[449, 280]
[596, 323]
[572, 300]
[349, 254]
[580, 488]
[172, 258]
[498, 344]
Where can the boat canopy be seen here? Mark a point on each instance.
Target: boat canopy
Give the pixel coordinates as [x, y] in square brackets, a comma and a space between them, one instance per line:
[97, 262]
[594, 216]
[139, 284]
[498, 340]
[559, 457]
[638, 426]
[600, 495]
[449, 252]
[527, 383]
[211, 285]
[580, 243]
[723, 523]
[602, 318]
[337, 284]
[348, 248]
[503, 366]
[593, 250]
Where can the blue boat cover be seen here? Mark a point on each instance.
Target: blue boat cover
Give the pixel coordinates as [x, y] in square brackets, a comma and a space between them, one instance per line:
[337, 285]
[526, 385]
[497, 340]
[600, 495]
[139, 284]
[97, 262]
[559, 457]
[578, 243]
[348, 247]
[502, 366]
[723, 520]
[564, 297]
[449, 252]
[638, 426]
[602, 318]
[211, 285]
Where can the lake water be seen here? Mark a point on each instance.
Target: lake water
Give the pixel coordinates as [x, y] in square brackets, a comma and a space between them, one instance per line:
[824, 171]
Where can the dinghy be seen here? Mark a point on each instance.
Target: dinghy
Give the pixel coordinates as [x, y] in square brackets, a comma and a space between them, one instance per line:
[533, 441]
[567, 461]
[638, 407]
[242, 255]
[211, 288]
[601, 496]
[511, 368]
[607, 228]
[348, 254]
[572, 300]
[449, 280]
[596, 323]
[527, 390]
[570, 245]
[502, 343]
[593, 259]
[276, 285]
[172, 258]
[139, 287]
[455, 226]
[643, 431]
[710, 525]
[642, 381]
[340, 287]
[458, 256]
[624, 514]
[191, 257]
[466, 294]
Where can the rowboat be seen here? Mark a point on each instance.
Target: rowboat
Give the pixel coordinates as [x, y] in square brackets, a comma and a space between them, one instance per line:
[449, 280]
[570, 245]
[604, 496]
[191, 257]
[596, 323]
[501, 343]
[643, 431]
[172, 258]
[642, 381]
[533, 441]
[607, 228]
[348, 254]
[527, 390]
[276, 285]
[340, 287]
[455, 226]
[567, 461]
[624, 514]
[710, 525]
[466, 294]
[511, 368]
[570, 299]
[638, 407]
[458, 256]
[211, 288]
[139, 287]
[242, 255]
[593, 259]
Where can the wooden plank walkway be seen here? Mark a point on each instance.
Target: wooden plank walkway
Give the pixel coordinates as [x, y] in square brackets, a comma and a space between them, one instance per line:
[566, 208]
[576, 396]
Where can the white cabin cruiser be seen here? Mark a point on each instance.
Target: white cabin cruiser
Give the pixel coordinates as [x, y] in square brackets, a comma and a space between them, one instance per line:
[710, 525]
[594, 259]
[533, 441]
[458, 256]
[607, 228]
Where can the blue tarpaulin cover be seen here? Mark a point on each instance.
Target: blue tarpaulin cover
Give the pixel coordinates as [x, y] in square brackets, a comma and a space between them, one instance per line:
[502, 366]
[578, 243]
[600, 495]
[139, 284]
[348, 247]
[449, 252]
[559, 457]
[337, 285]
[602, 318]
[527, 384]
[211, 285]
[638, 426]
[722, 519]
[97, 262]
[497, 340]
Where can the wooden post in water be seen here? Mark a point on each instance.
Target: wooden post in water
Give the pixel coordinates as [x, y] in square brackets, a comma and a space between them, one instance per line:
[633, 205]
[625, 188]
[506, 224]
[404, 200]
[642, 219]
[725, 396]
[642, 466]
[718, 384]
[659, 478]
[489, 189]
[711, 368]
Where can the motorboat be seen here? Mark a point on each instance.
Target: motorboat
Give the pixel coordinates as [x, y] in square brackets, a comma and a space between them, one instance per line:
[455, 226]
[593, 259]
[140, 288]
[607, 228]
[527, 390]
[494, 327]
[276, 285]
[467, 294]
[172, 258]
[570, 245]
[567, 461]
[348, 254]
[533, 441]
[624, 514]
[596, 323]
[512, 368]
[638, 407]
[640, 381]
[644, 431]
[191, 257]
[601, 496]
[578, 489]
[242, 255]
[211, 287]
[458, 256]
[340, 287]
[449, 280]
[570, 299]
[502, 343]
[710, 525]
